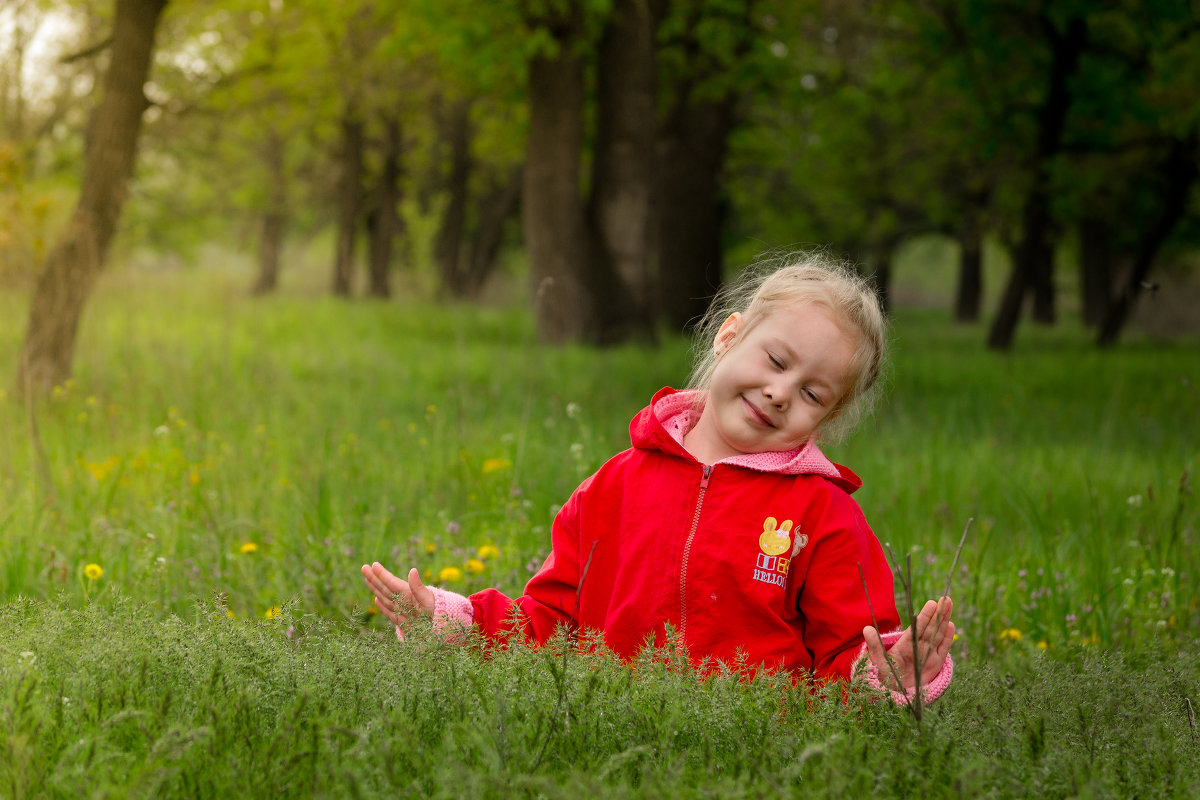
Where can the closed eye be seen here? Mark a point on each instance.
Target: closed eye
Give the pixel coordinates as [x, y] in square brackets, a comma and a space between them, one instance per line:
[775, 361]
[811, 395]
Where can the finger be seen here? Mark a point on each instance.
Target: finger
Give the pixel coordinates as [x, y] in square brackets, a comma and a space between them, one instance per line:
[875, 649]
[941, 623]
[937, 658]
[422, 595]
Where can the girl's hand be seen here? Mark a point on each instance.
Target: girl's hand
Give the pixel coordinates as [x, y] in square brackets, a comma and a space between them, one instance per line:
[397, 599]
[935, 632]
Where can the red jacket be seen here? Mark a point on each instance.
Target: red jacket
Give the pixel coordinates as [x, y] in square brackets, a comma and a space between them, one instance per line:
[735, 559]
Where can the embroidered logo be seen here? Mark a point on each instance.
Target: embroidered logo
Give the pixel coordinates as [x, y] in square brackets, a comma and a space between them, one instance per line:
[771, 565]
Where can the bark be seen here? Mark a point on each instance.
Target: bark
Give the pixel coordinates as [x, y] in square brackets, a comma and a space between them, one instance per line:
[1034, 257]
[1095, 269]
[691, 208]
[1179, 172]
[968, 297]
[384, 215]
[577, 295]
[623, 162]
[274, 218]
[75, 262]
[456, 132]
[554, 223]
[349, 199]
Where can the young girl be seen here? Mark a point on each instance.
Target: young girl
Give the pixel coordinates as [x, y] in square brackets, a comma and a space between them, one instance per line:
[724, 520]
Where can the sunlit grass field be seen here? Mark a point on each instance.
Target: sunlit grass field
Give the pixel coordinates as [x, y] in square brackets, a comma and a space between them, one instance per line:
[183, 522]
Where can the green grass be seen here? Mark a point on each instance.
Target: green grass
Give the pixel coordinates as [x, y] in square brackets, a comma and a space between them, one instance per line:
[326, 434]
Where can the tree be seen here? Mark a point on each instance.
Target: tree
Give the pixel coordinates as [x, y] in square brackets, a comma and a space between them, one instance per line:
[76, 260]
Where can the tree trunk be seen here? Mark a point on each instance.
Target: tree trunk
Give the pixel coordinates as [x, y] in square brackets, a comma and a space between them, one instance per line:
[1033, 262]
[691, 208]
[968, 298]
[624, 150]
[494, 210]
[456, 131]
[71, 268]
[385, 216]
[1095, 269]
[349, 198]
[554, 223]
[274, 217]
[1180, 172]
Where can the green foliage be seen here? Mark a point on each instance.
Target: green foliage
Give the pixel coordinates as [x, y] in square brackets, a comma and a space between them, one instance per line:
[181, 612]
[112, 700]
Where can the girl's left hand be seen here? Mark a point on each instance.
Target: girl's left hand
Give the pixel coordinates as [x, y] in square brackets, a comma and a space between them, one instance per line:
[935, 632]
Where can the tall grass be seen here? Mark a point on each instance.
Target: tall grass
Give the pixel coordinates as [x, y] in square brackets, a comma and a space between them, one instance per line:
[181, 525]
[261, 449]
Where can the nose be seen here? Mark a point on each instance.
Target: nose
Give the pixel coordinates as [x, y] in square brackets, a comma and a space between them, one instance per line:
[776, 396]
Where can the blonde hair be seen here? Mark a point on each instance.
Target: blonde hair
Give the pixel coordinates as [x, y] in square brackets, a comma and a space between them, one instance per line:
[815, 278]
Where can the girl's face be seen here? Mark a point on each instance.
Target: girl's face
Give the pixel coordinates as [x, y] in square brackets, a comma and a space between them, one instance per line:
[775, 386]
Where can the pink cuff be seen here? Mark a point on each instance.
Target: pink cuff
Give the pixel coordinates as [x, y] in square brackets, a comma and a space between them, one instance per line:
[866, 669]
[452, 614]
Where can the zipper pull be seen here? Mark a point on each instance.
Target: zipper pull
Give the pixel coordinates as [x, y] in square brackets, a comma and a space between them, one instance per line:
[705, 476]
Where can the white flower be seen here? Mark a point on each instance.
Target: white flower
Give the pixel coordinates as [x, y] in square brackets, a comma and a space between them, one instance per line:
[162, 432]
[1134, 500]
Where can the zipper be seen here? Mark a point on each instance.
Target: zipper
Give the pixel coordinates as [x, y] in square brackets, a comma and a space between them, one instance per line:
[687, 552]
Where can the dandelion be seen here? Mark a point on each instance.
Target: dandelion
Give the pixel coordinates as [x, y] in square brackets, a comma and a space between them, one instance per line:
[93, 572]
[430, 548]
[194, 478]
[495, 465]
[229, 613]
[100, 470]
[450, 574]
[372, 610]
[248, 547]
[1010, 634]
[1043, 644]
[272, 612]
[474, 566]
[489, 551]
[431, 409]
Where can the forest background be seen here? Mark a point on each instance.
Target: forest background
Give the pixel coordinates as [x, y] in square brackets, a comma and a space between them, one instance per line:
[212, 415]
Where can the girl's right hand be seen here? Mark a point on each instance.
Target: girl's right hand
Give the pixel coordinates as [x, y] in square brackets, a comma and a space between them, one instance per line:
[397, 599]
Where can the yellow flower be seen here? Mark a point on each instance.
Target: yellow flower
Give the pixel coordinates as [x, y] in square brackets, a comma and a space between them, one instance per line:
[371, 609]
[93, 572]
[194, 478]
[1043, 645]
[1010, 634]
[100, 470]
[475, 566]
[489, 551]
[431, 409]
[430, 548]
[229, 613]
[273, 611]
[450, 574]
[495, 465]
[249, 547]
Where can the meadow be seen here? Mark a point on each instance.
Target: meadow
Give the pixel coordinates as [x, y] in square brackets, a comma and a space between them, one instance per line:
[181, 612]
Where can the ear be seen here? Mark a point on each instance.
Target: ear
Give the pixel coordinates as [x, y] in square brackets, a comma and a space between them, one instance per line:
[728, 332]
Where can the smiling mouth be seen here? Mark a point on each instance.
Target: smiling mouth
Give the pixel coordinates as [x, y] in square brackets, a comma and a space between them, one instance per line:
[758, 415]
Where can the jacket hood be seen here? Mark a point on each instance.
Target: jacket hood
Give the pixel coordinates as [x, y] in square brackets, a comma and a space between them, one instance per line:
[671, 414]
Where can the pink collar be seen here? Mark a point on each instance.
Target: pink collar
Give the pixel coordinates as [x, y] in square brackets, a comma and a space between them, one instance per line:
[679, 413]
